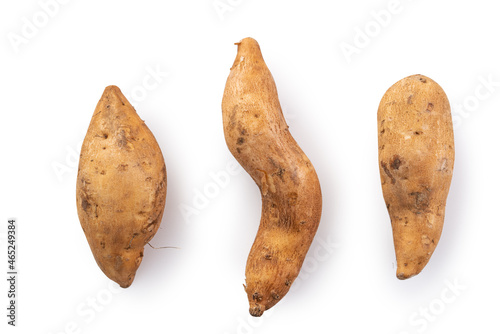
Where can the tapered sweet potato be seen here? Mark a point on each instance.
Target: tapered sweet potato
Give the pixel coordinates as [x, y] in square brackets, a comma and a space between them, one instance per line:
[121, 187]
[257, 135]
[416, 157]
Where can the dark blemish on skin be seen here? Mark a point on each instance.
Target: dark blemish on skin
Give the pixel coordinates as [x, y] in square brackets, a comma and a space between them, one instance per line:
[107, 106]
[417, 133]
[96, 215]
[149, 178]
[421, 200]
[422, 80]
[387, 206]
[386, 170]
[104, 148]
[243, 132]
[268, 257]
[122, 167]
[281, 172]
[85, 204]
[240, 141]
[271, 160]
[238, 150]
[396, 162]
[275, 295]
[256, 115]
[409, 99]
[105, 136]
[382, 131]
[123, 140]
[103, 244]
[257, 296]
[430, 107]
[103, 172]
[288, 282]
[302, 222]
[121, 143]
[406, 264]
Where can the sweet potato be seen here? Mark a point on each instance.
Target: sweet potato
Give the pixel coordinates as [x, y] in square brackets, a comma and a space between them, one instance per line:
[121, 187]
[257, 135]
[416, 157]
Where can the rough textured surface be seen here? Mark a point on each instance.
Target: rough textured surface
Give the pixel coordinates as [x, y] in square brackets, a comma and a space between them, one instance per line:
[121, 187]
[416, 156]
[257, 135]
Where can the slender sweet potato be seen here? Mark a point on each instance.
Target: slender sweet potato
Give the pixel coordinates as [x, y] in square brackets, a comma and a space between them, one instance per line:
[416, 156]
[121, 187]
[257, 135]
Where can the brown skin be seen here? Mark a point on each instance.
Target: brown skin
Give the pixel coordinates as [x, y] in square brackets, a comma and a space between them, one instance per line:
[416, 156]
[258, 137]
[121, 187]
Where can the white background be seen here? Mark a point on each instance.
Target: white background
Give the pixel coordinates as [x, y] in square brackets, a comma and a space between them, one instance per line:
[52, 81]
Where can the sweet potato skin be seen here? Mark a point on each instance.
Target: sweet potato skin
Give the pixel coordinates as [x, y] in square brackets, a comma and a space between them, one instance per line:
[121, 187]
[257, 135]
[416, 158]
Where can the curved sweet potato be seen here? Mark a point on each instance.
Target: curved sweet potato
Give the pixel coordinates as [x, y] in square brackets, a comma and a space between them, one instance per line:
[257, 135]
